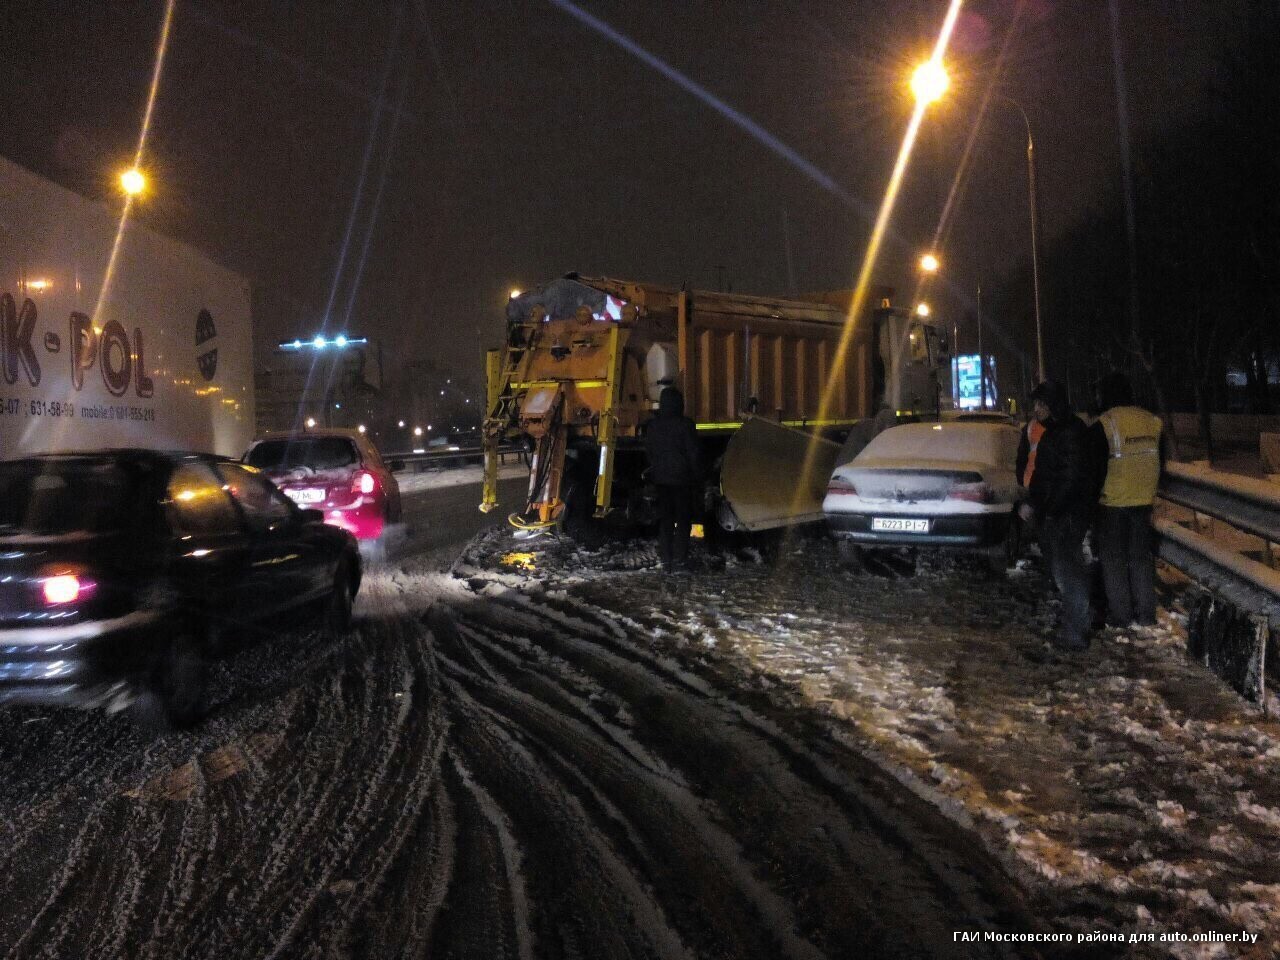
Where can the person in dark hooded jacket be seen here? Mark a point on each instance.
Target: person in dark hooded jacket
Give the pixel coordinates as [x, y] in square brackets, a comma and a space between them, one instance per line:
[671, 442]
[1062, 495]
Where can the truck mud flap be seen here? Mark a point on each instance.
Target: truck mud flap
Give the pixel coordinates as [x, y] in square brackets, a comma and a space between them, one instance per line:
[763, 477]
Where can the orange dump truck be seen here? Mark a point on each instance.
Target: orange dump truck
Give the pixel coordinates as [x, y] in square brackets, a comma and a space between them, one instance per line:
[586, 359]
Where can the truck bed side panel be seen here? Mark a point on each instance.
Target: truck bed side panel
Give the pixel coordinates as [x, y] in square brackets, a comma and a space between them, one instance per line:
[138, 342]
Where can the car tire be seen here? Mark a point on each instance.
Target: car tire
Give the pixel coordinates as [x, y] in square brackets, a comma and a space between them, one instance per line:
[376, 550]
[851, 556]
[174, 694]
[1004, 556]
[338, 607]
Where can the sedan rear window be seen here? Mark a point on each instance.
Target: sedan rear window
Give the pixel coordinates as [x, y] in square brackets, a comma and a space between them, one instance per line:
[991, 443]
[318, 453]
[53, 497]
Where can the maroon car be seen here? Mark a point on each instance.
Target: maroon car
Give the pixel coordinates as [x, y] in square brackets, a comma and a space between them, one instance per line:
[338, 472]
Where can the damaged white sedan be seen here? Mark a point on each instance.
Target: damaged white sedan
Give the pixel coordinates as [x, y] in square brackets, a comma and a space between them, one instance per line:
[930, 485]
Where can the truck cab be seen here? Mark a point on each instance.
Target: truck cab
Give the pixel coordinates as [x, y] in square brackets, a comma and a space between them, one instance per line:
[915, 349]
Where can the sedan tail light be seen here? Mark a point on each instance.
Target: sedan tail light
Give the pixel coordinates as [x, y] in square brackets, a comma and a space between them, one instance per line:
[972, 492]
[841, 487]
[364, 482]
[61, 587]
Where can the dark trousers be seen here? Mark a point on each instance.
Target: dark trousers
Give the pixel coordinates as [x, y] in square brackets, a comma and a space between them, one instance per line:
[1128, 567]
[675, 517]
[1062, 542]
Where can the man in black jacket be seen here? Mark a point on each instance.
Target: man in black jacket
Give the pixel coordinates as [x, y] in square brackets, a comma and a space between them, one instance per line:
[1063, 491]
[671, 442]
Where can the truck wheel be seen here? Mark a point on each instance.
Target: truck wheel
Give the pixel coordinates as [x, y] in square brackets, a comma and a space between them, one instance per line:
[576, 519]
[174, 694]
[337, 609]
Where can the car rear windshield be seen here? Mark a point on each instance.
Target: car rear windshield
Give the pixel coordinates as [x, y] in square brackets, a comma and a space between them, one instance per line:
[55, 497]
[318, 453]
[992, 443]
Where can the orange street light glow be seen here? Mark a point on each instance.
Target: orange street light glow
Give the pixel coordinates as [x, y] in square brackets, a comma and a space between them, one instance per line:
[929, 263]
[133, 182]
[930, 81]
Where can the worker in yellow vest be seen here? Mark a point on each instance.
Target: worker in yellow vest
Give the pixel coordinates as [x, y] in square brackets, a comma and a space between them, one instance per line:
[1129, 440]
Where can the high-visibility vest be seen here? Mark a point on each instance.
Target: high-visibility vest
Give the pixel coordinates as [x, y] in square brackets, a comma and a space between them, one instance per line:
[1035, 430]
[1133, 464]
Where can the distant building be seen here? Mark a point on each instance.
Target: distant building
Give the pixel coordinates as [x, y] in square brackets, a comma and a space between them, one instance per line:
[336, 387]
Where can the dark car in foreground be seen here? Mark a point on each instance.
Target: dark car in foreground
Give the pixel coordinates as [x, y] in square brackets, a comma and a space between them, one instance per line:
[122, 571]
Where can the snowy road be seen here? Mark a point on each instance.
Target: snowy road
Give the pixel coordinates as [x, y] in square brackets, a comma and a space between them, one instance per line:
[479, 770]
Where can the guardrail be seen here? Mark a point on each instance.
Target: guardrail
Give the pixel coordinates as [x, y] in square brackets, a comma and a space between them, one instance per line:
[441, 458]
[1233, 624]
[1248, 505]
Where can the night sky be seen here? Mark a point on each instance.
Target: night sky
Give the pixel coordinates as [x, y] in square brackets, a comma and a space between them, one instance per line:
[504, 143]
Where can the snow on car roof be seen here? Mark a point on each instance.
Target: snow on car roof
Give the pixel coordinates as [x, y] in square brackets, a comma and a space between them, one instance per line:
[965, 442]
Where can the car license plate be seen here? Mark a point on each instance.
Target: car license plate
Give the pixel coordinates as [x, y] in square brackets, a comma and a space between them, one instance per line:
[899, 525]
[309, 495]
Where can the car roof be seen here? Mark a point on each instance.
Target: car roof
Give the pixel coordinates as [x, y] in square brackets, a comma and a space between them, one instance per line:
[124, 454]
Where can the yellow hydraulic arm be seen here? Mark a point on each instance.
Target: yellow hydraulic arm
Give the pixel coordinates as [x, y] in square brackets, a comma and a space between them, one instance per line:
[492, 438]
[607, 432]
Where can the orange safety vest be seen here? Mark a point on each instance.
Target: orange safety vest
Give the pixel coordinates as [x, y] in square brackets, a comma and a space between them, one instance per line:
[1035, 430]
[1133, 464]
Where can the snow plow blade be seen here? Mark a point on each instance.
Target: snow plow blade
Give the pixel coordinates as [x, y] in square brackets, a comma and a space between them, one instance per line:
[760, 476]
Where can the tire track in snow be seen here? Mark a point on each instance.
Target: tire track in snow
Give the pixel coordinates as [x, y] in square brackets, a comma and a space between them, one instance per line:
[546, 784]
[784, 779]
[670, 808]
[511, 857]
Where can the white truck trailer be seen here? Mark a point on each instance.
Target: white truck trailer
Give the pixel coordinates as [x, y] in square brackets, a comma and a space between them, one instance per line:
[114, 338]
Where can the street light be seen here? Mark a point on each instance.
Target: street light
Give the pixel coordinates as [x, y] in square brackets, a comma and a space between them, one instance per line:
[930, 263]
[929, 81]
[133, 181]
[922, 309]
[417, 431]
[401, 424]
[311, 423]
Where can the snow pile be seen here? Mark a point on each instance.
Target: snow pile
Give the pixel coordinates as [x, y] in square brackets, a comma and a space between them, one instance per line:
[1126, 783]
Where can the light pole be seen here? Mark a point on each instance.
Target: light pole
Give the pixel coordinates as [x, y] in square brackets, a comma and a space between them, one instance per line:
[1035, 231]
[929, 82]
[982, 357]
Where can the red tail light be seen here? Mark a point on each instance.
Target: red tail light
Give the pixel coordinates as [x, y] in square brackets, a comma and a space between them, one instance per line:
[364, 482]
[841, 487]
[972, 492]
[63, 588]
